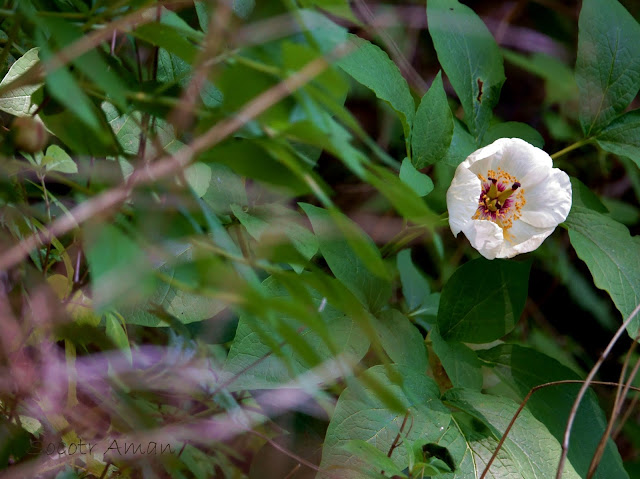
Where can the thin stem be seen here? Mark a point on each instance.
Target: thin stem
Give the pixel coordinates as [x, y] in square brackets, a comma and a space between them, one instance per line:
[524, 403]
[571, 147]
[583, 390]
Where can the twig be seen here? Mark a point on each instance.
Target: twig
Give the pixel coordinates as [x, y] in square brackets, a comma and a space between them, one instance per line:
[615, 410]
[405, 66]
[524, 403]
[168, 164]
[583, 390]
[88, 42]
[286, 451]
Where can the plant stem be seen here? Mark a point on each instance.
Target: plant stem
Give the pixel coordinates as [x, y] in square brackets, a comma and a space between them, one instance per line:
[571, 147]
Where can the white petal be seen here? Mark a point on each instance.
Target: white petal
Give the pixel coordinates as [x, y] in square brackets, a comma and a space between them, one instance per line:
[530, 165]
[549, 202]
[462, 198]
[523, 238]
[485, 236]
[488, 151]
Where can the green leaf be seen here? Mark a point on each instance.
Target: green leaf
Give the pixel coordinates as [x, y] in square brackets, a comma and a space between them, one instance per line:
[198, 175]
[460, 362]
[271, 225]
[612, 256]
[607, 70]
[514, 129]
[173, 69]
[243, 8]
[371, 455]
[255, 337]
[529, 449]
[116, 331]
[401, 340]
[622, 136]
[521, 369]
[187, 307]
[169, 38]
[470, 58]
[372, 67]
[462, 145]
[403, 198]
[483, 300]
[56, 159]
[421, 302]
[433, 126]
[560, 83]
[18, 102]
[361, 415]
[415, 287]
[121, 274]
[419, 182]
[92, 63]
[351, 255]
[226, 189]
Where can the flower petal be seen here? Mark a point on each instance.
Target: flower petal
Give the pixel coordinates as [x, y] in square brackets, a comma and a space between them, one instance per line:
[530, 165]
[462, 198]
[523, 238]
[485, 236]
[548, 203]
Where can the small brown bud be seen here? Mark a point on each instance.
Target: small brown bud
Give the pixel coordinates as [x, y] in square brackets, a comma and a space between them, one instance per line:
[29, 134]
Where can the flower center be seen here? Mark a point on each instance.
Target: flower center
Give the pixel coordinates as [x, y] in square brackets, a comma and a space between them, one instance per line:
[501, 199]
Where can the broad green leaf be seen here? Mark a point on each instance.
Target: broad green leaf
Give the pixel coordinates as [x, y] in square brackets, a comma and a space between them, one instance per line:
[623, 212]
[116, 331]
[243, 8]
[521, 369]
[483, 300]
[247, 158]
[460, 362]
[403, 198]
[529, 452]
[198, 175]
[92, 63]
[433, 126]
[622, 136]
[351, 255]
[612, 256]
[226, 189]
[56, 159]
[173, 69]
[18, 102]
[79, 137]
[361, 415]
[462, 145]
[372, 67]
[560, 83]
[295, 56]
[167, 37]
[401, 340]
[63, 87]
[421, 302]
[340, 8]
[420, 183]
[371, 455]
[470, 58]
[607, 70]
[530, 448]
[185, 306]
[121, 274]
[278, 369]
[272, 225]
[514, 129]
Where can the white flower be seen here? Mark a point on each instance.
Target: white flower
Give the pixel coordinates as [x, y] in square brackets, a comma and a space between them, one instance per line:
[507, 198]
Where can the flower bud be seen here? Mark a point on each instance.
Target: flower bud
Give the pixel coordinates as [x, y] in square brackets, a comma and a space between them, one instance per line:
[29, 134]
